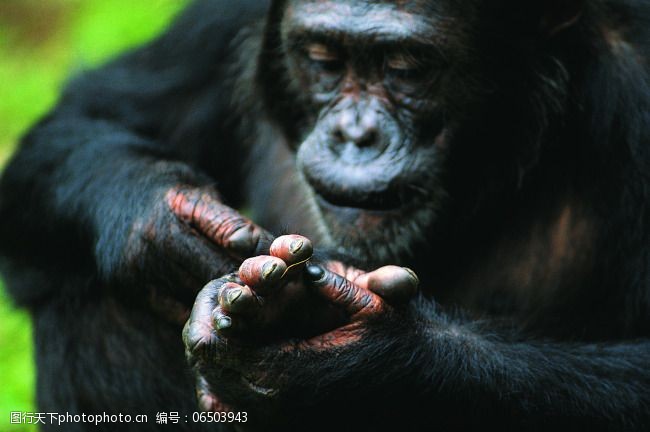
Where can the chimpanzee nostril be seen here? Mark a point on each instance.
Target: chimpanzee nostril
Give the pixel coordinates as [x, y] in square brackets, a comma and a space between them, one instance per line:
[339, 138]
[368, 139]
[359, 135]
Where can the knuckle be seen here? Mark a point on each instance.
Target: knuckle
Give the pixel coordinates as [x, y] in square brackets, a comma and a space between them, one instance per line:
[182, 201]
[364, 302]
[203, 210]
[344, 289]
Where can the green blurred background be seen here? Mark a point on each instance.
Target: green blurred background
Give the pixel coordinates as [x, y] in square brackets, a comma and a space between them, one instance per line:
[42, 42]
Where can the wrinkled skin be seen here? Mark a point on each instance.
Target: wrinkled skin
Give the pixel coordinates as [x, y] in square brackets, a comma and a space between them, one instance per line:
[190, 230]
[223, 335]
[497, 148]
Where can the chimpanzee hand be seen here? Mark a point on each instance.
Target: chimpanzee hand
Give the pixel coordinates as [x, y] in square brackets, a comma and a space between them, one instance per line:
[182, 238]
[238, 370]
[267, 299]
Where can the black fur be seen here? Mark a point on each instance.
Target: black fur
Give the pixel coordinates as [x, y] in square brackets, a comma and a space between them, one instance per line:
[516, 339]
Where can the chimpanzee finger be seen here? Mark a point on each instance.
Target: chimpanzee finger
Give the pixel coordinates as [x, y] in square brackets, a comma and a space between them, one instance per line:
[198, 332]
[226, 324]
[394, 284]
[262, 273]
[293, 249]
[238, 299]
[195, 255]
[224, 226]
[342, 292]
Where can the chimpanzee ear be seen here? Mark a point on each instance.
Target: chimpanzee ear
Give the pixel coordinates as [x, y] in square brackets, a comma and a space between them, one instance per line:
[558, 15]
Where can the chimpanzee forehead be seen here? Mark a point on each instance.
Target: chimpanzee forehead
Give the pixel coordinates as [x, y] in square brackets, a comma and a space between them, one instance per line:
[379, 20]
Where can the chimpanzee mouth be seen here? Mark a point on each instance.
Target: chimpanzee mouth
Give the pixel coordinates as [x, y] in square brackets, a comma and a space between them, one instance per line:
[384, 201]
[377, 188]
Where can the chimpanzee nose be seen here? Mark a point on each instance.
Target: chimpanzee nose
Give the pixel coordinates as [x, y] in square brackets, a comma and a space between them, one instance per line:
[358, 129]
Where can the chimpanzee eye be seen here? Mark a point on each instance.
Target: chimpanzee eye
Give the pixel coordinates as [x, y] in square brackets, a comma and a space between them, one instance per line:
[324, 57]
[401, 62]
[404, 66]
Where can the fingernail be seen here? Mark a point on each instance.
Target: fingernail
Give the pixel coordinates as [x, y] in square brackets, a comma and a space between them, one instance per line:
[314, 272]
[268, 269]
[411, 273]
[295, 246]
[242, 240]
[233, 295]
[224, 322]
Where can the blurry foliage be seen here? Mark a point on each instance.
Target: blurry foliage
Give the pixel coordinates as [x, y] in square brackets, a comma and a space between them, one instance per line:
[42, 42]
[16, 364]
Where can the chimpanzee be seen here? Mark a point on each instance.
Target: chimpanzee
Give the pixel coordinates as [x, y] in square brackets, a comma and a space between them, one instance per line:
[498, 149]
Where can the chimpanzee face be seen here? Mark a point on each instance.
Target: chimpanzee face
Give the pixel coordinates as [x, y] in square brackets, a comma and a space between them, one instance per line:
[377, 78]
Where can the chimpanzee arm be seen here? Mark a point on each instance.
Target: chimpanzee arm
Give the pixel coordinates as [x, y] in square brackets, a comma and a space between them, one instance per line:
[427, 367]
[112, 173]
[497, 375]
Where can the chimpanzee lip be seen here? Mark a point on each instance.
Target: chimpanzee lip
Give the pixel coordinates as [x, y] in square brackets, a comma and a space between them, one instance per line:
[359, 192]
[387, 200]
